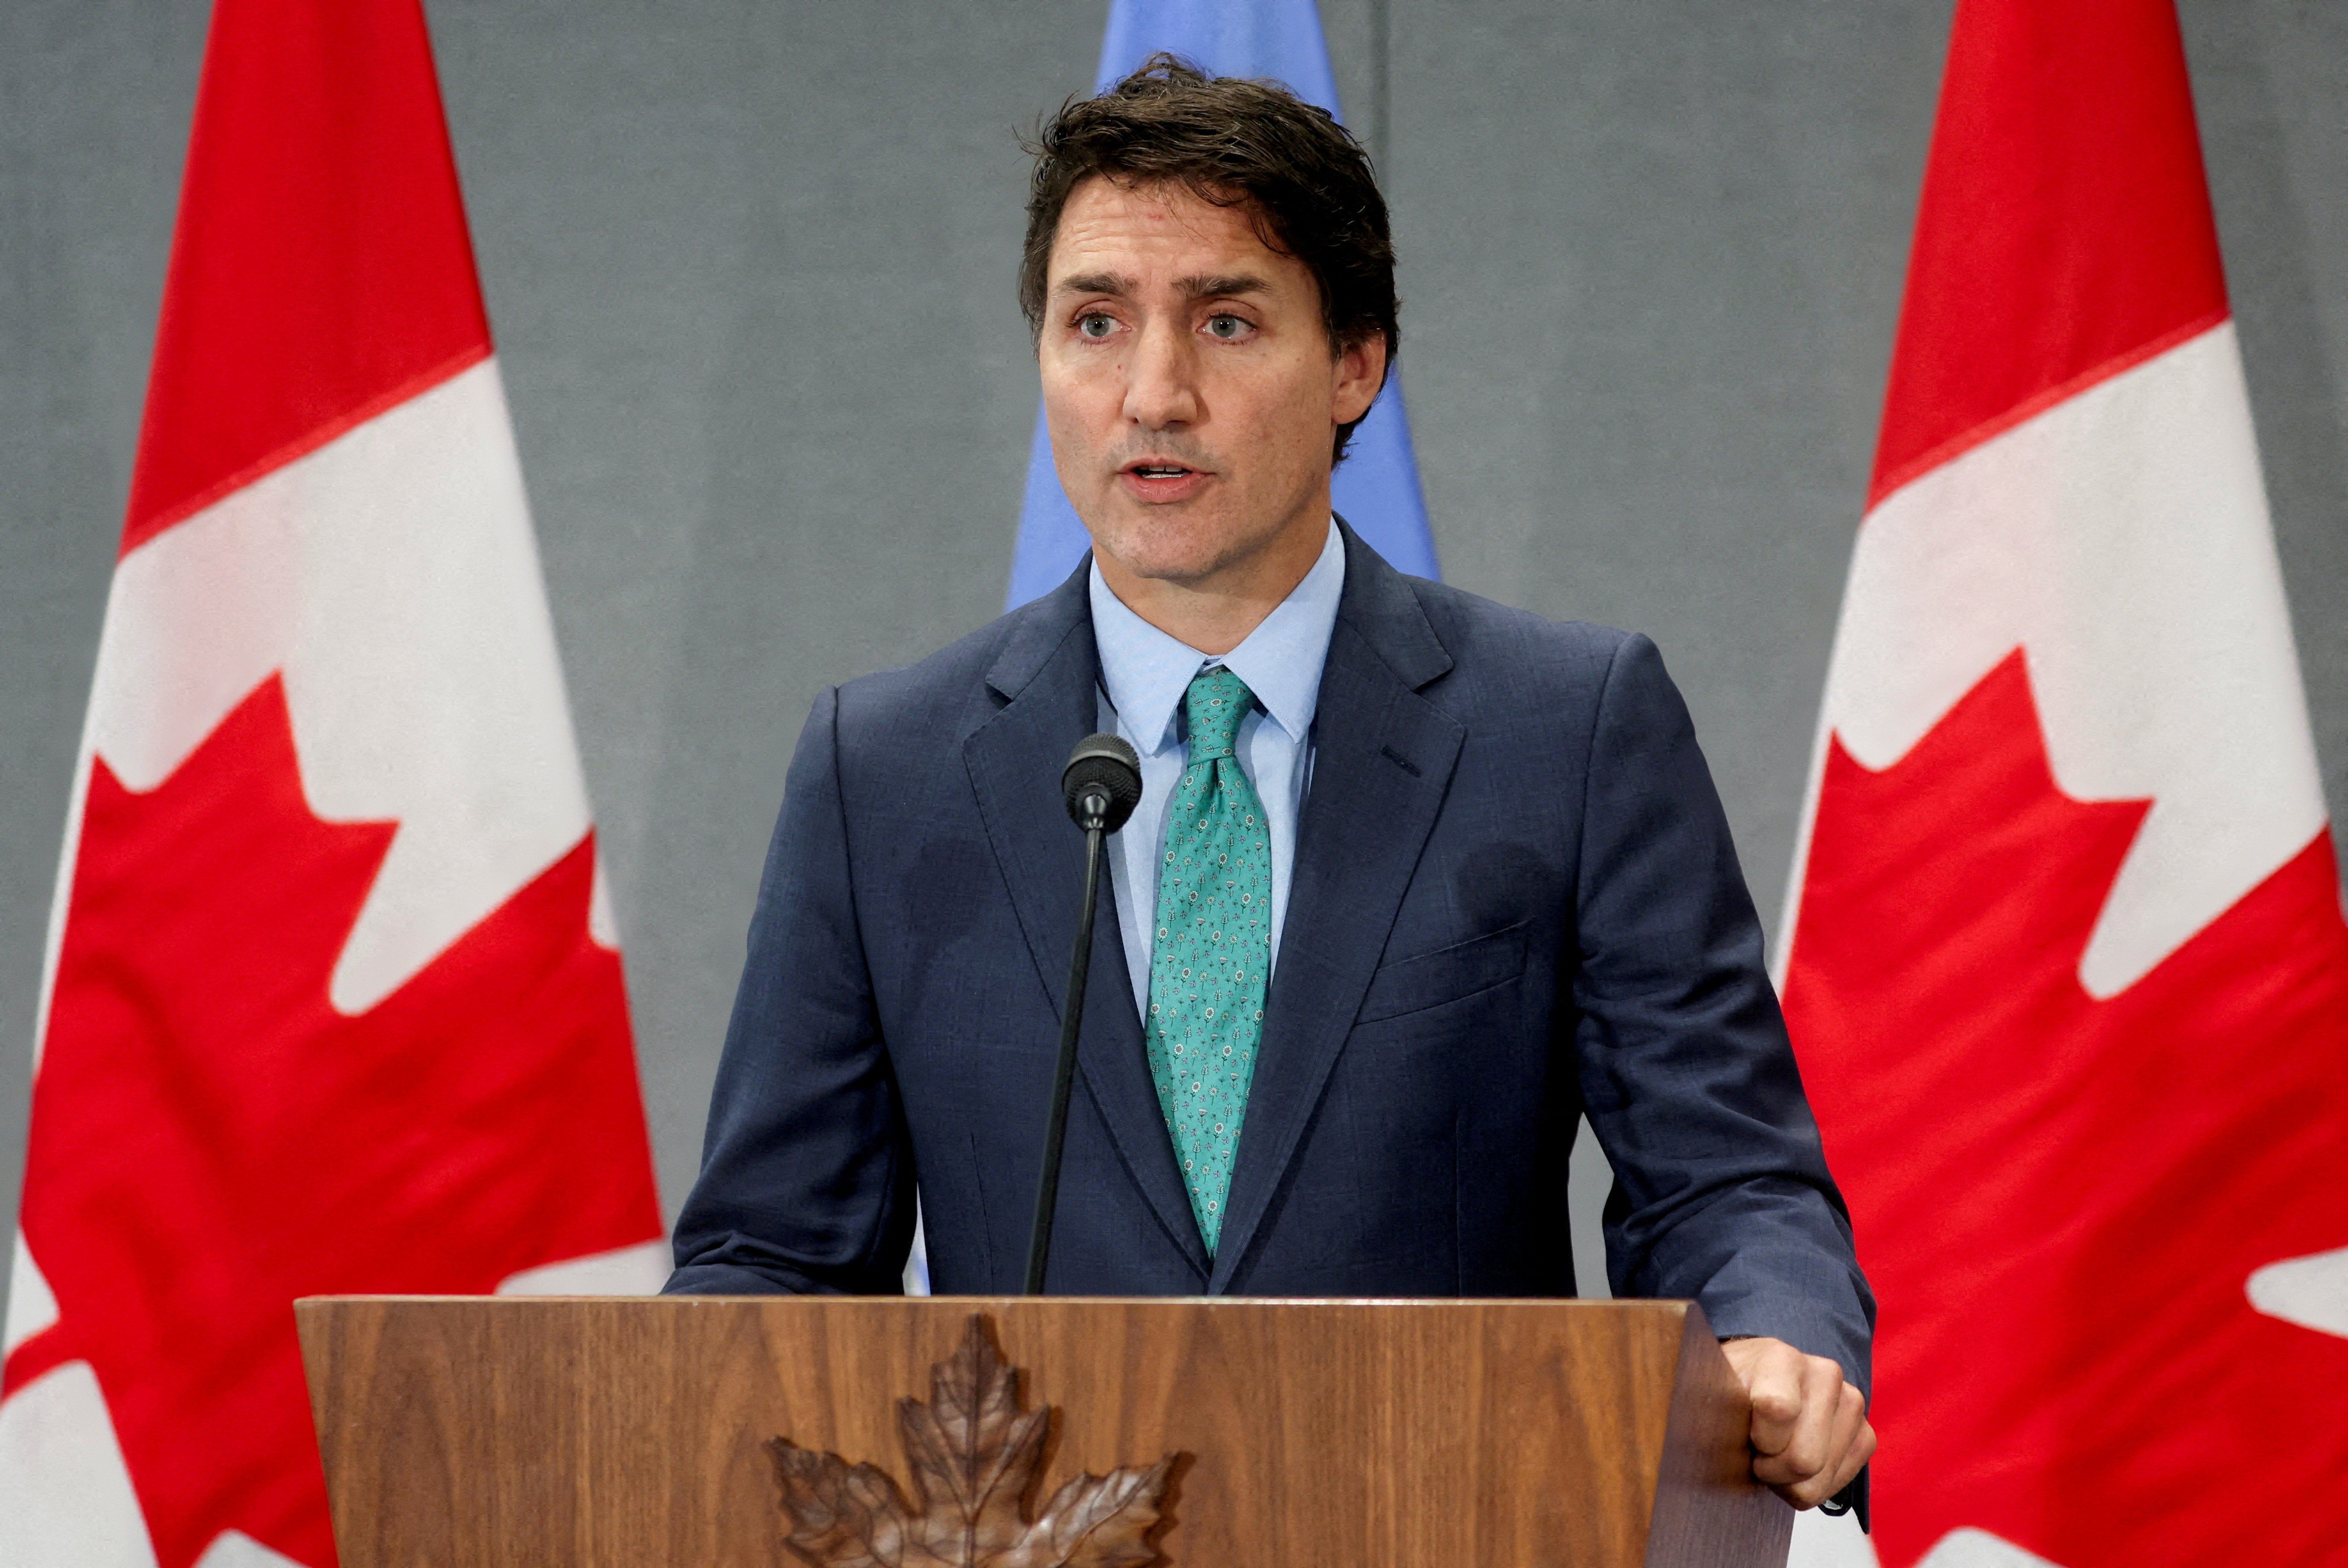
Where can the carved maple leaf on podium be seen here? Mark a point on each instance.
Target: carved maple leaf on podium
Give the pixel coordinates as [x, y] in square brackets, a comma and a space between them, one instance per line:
[974, 1456]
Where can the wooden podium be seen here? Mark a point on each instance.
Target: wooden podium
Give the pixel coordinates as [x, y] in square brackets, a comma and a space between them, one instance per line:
[1217, 1433]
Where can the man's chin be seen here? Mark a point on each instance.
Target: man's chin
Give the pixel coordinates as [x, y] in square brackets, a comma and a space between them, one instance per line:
[1177, 569]
[1165, 548]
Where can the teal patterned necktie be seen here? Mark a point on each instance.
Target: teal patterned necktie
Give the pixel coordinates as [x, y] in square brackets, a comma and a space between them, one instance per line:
[1214, 947]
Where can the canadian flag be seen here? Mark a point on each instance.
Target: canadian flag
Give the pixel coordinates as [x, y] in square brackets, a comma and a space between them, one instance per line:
[2067, 973]
[333, 1001]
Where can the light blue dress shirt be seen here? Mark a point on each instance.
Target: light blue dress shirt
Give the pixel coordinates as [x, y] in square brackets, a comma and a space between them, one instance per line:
[1144, 674]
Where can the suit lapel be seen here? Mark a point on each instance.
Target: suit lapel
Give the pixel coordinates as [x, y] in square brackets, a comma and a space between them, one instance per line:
[1046, 676]
[1382, 757]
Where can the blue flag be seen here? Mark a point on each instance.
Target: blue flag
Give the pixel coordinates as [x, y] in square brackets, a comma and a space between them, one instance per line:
[1376, 487]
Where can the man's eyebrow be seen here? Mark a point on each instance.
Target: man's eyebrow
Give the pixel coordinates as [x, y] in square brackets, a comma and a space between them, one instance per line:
[1216, 285]
[1221, 284]
[1095, 283]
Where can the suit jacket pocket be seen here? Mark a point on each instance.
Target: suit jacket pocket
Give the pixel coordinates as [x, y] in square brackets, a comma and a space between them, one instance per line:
[1446, 974]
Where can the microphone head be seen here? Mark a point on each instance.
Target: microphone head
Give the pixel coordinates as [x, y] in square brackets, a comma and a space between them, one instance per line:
[1104, 776]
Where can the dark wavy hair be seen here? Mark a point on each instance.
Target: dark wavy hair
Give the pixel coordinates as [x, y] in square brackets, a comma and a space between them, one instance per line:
[1306, 183]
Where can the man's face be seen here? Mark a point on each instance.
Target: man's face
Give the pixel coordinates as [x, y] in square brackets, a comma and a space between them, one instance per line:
[1189, 385]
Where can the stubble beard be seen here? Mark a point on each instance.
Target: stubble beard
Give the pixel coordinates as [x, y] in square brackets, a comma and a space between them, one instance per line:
[1186, 546]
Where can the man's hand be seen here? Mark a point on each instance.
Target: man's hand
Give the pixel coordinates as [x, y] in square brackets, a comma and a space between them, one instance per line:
[1810, 1433]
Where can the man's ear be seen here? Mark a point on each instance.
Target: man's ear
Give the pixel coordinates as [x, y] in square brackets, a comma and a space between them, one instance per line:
[1360, 372]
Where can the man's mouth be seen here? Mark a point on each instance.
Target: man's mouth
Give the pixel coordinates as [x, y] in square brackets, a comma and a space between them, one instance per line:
[1162, 481]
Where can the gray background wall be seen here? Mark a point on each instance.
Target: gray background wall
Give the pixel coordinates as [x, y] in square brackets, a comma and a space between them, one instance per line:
[750, 269]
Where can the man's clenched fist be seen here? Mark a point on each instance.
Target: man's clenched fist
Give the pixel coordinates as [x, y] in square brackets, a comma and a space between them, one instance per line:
[1810, 1433]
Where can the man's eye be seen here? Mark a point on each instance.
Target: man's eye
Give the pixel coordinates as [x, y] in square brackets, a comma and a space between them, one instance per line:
[1227, 327]
[1093, 323]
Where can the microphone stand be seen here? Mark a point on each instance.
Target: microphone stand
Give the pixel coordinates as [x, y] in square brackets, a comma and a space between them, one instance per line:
[1101, 785]
[1094, 805]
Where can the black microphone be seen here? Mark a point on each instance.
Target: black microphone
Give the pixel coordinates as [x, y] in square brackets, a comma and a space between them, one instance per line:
[1102, 785]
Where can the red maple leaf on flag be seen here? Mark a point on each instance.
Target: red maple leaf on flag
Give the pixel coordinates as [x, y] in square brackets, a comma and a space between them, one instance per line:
[2059, 1198]
[211, 1139]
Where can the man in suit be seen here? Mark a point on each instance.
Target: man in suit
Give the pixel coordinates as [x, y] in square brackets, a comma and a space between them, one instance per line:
[1416, 880]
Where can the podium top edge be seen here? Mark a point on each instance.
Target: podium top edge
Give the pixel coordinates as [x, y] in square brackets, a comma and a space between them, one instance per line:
[998, 1303]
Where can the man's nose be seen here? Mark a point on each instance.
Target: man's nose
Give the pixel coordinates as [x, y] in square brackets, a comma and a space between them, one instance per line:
[1162, 389]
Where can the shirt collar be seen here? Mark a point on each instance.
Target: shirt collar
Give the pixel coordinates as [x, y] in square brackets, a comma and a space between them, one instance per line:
[1146, 671]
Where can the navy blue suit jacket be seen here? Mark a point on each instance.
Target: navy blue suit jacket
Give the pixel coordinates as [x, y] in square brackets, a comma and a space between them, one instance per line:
[1514, 900]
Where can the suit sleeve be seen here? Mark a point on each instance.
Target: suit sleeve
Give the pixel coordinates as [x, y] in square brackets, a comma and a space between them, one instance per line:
[1721, 1190]
[807, 1174]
